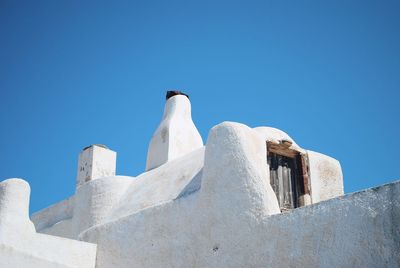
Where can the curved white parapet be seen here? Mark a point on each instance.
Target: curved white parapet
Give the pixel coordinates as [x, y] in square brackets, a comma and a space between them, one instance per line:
[176, 135]
[95, 200]
[14, 206]
[57, 215]
[235, 176]
[21, 246]
[162, 184]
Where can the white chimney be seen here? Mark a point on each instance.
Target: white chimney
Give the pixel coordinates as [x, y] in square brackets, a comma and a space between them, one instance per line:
[95, 161]
[176, 135]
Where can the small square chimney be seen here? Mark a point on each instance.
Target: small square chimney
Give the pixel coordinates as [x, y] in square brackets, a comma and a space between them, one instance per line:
[95, 161]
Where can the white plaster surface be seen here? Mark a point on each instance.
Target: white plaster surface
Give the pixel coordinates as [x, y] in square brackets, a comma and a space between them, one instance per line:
[162, 184]
[235, 194]
[234, 221]
[21, 246]
[235, 173]
[110, 198]
[326, 177]
[95, 162]
[63, 228]
[176, 135]
[357, 230]
[95, 200]
[14, 207]
[54, 214]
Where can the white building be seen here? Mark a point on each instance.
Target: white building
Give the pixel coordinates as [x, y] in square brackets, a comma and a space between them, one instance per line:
[251, 197]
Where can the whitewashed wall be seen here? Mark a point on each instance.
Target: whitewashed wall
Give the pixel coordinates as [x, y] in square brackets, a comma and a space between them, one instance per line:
[234, 221]
[21, 246]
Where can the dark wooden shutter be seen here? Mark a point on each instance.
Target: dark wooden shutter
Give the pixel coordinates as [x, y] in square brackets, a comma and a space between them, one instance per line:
[287, 175]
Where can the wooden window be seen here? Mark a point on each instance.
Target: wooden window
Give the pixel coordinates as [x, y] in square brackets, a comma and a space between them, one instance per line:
[288, 175]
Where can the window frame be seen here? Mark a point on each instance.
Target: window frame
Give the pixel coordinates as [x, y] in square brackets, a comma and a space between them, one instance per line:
[284, 149]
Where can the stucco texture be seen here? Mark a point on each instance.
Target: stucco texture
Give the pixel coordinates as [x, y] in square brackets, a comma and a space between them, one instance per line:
[21, 246]
[234, 221]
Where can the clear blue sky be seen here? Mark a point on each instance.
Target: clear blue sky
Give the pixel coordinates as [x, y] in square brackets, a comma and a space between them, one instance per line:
[78, 73]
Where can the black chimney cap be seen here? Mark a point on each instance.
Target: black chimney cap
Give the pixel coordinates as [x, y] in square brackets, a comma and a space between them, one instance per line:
[172, 93]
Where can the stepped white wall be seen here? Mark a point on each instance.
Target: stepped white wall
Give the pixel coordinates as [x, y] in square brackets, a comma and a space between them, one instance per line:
[21, 246]
[234, 221]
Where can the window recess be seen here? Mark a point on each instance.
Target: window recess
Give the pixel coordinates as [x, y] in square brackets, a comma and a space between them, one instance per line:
[288, 175]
